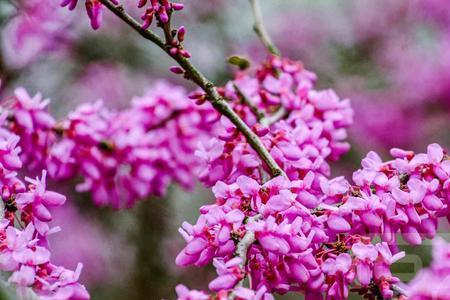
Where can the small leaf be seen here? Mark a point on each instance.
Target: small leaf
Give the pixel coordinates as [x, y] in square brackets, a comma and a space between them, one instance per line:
[241, 62]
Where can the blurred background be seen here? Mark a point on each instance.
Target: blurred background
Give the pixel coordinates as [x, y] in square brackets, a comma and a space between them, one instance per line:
[390, 57]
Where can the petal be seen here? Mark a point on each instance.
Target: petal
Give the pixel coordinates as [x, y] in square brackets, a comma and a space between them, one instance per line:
[338, 224]
[435, 153]
[364, 273]
[50, 198]
[223, 282]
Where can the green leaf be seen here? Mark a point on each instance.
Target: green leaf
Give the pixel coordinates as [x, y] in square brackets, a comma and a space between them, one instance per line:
[241, 62]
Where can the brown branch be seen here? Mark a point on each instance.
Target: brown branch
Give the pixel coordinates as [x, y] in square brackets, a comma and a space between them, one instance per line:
[166, 120]
[207, 86]
[254, 109]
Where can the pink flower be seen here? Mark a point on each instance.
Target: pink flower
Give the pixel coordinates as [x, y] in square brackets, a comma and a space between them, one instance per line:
[33, 124]
[17, 249]
[209, 237]
[340, 269]
[123, 156]
[38, 199]
[183, 293]
[366, 254]
[229, 273]
[248, 294]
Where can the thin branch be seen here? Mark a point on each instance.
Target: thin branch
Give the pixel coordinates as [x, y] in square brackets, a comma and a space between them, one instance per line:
[261, 30]
[254, 109]
[281, 113]
[166, 120]
[242, 249]
[207, 86]
[398, 291]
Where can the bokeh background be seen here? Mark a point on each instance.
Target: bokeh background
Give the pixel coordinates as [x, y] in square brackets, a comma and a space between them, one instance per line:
[390, 57]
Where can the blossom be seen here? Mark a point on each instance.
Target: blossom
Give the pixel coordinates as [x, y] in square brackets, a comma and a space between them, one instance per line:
[122, 156]
[38, 199]
[184, 293]
[229, 273]
[406, 194]
[366, 254]
[31, 121]
[302, 128]
[24, 228]
[210, 237]
[327, 247]
[340, 269]
[248, 294]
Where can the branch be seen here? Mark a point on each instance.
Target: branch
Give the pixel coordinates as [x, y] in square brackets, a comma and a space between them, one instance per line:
[207, 86]
[398, 291]
[166, 120]
[254, 109]
[281, 113]
[260, 29]
[242, 249]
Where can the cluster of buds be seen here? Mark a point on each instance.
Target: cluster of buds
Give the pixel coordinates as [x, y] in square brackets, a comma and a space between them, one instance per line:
[161, 9]
[93, 9]
[177, 38]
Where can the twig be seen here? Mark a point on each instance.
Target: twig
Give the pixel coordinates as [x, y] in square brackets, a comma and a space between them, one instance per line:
[260, 29]
[398, 291]
[242, 249]
[257, 112]
[207, 86]
[166, 120]
[278, 115]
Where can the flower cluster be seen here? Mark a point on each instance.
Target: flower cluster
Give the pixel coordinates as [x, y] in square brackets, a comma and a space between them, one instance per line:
[305, 231]
[303, 240]
[438, 274]
[30, 120]
[123, 156]
[407, 194]
[24, 228]
[301, 127]
[290, 248]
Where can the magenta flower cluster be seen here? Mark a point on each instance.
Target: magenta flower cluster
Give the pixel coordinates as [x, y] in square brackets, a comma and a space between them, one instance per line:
[302, 128]
[294, 248]
[279, 221]
[24, 228]
[306, 232]
[407, 194]
[123, 156]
